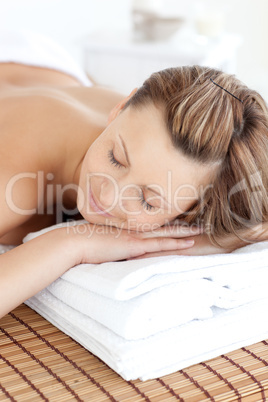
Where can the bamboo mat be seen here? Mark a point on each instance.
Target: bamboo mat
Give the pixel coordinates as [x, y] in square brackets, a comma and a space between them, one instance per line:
[39, 362]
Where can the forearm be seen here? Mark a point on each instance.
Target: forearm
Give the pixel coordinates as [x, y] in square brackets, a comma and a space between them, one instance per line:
[32, 266]
[27, 269]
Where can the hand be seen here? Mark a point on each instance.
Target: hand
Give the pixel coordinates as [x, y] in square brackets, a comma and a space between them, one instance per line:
[202, 246]
[100, 243]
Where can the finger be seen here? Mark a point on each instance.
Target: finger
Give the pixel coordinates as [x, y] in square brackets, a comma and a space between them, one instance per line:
[157, 254]
[138, 247]
[181, 252]
[174, 231]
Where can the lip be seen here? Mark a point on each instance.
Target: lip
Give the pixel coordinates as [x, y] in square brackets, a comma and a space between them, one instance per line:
[96, 207]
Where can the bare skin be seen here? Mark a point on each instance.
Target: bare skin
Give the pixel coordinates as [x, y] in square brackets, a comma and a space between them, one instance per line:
[64, 107]
[50, 129]
[48, 121]
[54, 131]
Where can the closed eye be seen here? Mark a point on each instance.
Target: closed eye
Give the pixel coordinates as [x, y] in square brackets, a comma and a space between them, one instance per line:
[144, 203]
[119, 165]
[113, 160]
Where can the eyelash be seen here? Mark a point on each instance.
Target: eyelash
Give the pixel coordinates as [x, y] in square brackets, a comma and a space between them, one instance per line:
[119, 165]
[113, 160]
[144, 203]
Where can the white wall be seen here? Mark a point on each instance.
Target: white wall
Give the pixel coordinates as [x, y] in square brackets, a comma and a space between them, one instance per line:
[68, 21]
[250, 19]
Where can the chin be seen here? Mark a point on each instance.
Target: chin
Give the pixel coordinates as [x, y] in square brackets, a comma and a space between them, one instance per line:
[98, 219]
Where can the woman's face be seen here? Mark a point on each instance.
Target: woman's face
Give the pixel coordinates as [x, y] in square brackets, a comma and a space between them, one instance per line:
[132, 177]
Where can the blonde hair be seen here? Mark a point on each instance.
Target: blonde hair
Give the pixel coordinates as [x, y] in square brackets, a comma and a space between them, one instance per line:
[211, 125]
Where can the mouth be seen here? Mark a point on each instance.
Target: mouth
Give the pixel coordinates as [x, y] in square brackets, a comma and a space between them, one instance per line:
[95, 206]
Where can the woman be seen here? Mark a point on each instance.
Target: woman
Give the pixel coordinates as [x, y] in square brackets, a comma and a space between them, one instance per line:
[191, 143]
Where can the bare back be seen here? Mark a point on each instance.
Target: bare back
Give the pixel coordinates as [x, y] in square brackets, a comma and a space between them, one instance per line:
[47, 118]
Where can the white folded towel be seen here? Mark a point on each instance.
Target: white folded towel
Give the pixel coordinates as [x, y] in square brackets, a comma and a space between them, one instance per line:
[4, 248]
[128, 279]
[149, 317]
[152, 295]
[164, 352]
[34, 49]
[145, 315]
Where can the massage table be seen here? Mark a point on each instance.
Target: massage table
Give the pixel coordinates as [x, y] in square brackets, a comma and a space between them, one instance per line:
[39, 362]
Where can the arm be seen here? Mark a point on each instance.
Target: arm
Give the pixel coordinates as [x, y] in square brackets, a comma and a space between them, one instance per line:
[28, 268]
[203, 246]
[32, 266]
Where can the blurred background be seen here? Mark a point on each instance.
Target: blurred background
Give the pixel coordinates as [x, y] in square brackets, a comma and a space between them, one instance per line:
[120, 42]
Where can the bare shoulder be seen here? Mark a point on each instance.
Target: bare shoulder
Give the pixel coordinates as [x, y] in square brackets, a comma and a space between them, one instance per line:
[97, 98]
[22, 156]
[23, 75]
[18, 200]
[40, 129]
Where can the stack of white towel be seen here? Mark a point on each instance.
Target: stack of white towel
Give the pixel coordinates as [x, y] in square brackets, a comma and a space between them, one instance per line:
[149, 317]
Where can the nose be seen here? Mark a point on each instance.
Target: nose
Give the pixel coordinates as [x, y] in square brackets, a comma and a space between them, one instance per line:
[107, 195]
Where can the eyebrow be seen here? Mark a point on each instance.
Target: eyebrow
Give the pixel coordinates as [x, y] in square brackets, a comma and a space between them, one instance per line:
[125, 150]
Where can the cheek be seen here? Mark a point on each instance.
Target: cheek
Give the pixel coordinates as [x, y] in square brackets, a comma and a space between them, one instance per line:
[184, 197]
[145, 221]
[92, 163]
[96, 160]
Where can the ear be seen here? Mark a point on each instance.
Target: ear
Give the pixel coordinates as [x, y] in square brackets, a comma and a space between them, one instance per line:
[117, 109]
